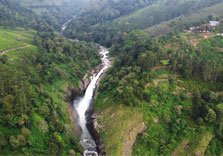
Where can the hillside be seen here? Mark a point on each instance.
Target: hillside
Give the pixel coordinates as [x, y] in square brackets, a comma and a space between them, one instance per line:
[55, 12]
[14, 39]
[99, 12]
[34, 111]
[172, 83]
[157, 90]
[38, 68]
[12, 15]
[40, 14]
[109, 30]
[182, 22]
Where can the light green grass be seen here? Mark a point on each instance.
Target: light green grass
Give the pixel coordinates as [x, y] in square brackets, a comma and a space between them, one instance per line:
[15, 38]
[119, 124]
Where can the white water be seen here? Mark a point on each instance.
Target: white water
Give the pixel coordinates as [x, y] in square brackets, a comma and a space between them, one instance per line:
[65, 25]
[83, 105]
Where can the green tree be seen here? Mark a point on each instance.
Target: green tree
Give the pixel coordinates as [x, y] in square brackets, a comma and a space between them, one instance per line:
[211, 116]
[3, 140]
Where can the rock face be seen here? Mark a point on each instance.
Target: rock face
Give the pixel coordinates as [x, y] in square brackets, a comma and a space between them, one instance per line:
[87, 77]
[95, 118]
[73, 93]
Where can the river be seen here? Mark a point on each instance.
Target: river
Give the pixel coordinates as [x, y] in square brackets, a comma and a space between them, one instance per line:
[82, 104]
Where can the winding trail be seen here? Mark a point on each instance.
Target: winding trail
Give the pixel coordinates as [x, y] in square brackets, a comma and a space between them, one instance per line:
[12, 49]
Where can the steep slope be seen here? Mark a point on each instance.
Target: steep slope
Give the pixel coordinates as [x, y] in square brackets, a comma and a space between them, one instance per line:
[56, 12]
[185, 21]
[35, 80]
[12, 14]
[38, 69]
[93, 26]
[99, 12]
[175, 85]
[40, 14]
[162, 11]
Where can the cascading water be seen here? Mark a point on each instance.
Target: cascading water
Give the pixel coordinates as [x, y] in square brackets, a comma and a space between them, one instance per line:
[83, 104]
[64, 26]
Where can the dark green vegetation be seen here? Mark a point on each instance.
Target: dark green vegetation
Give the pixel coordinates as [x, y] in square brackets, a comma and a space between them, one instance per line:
[12, 14]
[37, 67]
[177, 86]
[55, 12]
[172, 84]
[34, 81]
[195, 18]
[38, 14]
[159, 77]
[107, 25]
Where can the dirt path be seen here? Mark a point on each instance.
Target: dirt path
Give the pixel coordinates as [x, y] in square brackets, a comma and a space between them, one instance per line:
[3, 52]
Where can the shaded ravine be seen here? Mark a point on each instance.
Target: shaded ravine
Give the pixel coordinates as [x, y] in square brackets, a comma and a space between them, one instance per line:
[83, 105]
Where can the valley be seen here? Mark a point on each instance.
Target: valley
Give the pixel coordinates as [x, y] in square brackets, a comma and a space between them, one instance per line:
[155, 88]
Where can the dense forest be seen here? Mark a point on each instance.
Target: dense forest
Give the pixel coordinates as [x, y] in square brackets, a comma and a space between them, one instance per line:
[107, 25]
[134, 81]
[12, 14]
[55, 13]
[37, 15]
[162, 95]
[34, 81]
[29, 110]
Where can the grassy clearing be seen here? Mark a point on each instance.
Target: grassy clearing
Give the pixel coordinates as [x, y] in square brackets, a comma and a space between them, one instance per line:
[120, 125]
[15, 55]
[15, 38]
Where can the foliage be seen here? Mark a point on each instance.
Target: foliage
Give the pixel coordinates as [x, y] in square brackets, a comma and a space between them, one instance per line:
[106, 22]
[33, 112]
[145, 76]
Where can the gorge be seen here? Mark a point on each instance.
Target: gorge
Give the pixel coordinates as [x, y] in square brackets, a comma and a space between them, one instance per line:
[82, 104]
